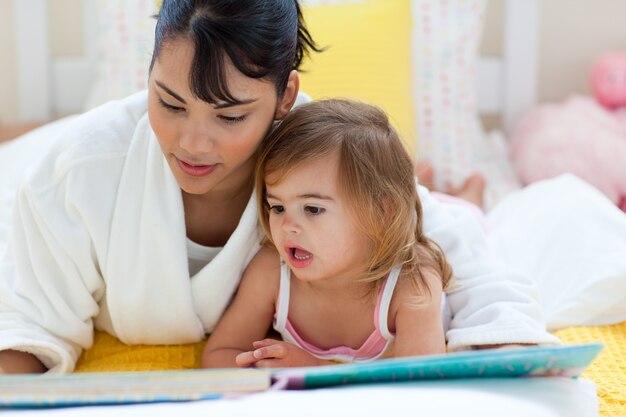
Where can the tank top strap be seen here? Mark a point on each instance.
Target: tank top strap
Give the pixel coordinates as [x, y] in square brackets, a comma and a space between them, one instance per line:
[282, 304]
[384, 301]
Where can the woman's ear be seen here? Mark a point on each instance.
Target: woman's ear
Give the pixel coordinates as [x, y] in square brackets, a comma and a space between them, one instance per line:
[285, 103]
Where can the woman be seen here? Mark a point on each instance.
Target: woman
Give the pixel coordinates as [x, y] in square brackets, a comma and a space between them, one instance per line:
[141, 220]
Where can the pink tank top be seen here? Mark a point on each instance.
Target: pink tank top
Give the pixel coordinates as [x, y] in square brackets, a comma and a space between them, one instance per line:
[372, 348]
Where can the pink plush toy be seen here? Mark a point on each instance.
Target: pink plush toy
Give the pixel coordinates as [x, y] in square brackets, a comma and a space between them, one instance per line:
[608, 80]
[582, 136]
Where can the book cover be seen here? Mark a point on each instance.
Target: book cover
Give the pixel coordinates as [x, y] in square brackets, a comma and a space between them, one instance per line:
[55, 390]
[105, 388]
[569, 361]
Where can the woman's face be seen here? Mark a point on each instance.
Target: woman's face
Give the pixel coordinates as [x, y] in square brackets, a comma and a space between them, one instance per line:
[210, 147]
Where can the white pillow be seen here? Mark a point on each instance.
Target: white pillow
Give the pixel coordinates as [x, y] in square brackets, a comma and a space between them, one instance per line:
[571, 239]
[446, 37]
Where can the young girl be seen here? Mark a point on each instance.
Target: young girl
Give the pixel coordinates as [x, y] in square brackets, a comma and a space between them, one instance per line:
[347, 273]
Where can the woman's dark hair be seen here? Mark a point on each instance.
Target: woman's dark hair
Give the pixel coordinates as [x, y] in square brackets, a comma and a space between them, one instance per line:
[262, 38]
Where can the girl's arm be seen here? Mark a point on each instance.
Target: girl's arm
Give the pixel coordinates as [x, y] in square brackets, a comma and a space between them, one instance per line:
[249, 316]
[419, 329]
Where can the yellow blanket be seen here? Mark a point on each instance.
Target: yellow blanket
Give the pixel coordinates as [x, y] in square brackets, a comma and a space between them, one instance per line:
[109, 354]
[608, 371]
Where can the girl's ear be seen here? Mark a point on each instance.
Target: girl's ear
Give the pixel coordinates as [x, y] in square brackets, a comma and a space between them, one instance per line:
[289, 96]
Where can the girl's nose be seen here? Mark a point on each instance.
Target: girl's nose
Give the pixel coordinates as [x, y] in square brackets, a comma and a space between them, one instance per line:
[290, 225]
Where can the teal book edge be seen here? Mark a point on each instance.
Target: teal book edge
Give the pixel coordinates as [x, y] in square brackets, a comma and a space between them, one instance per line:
[55, 390]
[566, 361]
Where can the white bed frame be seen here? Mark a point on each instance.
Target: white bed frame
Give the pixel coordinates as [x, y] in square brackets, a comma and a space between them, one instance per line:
[47, 87]
[50, 87]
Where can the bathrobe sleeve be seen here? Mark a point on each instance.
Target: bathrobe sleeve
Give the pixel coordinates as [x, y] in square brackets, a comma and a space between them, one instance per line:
[490, 302]
[49, 279]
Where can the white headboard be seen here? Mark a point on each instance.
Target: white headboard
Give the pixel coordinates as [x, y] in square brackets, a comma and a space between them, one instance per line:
[47, 87]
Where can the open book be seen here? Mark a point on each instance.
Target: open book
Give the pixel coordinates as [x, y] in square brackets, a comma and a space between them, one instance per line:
[128, 387]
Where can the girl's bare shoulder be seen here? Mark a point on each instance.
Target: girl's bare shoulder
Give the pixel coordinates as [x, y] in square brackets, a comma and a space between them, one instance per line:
[408, 293]
[263, 272]
[266, 257]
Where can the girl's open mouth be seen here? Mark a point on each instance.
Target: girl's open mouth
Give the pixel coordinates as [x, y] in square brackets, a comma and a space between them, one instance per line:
[298, 257]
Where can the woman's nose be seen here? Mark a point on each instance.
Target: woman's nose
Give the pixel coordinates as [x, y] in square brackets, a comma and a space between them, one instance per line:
[197, 139]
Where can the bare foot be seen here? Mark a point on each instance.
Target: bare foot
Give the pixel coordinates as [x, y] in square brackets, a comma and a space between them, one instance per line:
[472, 190]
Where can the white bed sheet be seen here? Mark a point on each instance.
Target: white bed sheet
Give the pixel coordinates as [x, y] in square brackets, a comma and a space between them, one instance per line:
[511, 397]
[571, 240]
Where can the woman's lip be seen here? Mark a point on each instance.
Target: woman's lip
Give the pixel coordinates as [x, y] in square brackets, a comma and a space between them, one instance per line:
[195, 170]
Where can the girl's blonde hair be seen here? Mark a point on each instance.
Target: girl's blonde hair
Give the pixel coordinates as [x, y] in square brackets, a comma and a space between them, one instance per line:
[375, 174]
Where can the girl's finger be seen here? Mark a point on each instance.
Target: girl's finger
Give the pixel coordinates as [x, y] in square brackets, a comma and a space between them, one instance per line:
[245, 359]
[277, 351]
[264, 342]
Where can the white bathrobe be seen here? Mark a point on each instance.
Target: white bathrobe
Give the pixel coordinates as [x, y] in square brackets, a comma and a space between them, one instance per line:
[97, 238]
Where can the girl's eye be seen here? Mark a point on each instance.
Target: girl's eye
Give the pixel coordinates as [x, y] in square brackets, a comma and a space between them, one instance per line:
[232, 120]
[314, 210]
[276, 208]
[169, 107]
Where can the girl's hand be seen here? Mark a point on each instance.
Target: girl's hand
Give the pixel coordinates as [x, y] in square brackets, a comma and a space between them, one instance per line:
[271, 353]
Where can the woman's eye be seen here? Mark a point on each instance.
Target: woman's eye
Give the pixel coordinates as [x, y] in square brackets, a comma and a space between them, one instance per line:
[169, 107]
[314, 210]
[276, 208]
[232, 119]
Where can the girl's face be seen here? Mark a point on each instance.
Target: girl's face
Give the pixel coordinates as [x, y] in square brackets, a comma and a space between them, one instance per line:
[210, 147]
[311, 225]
